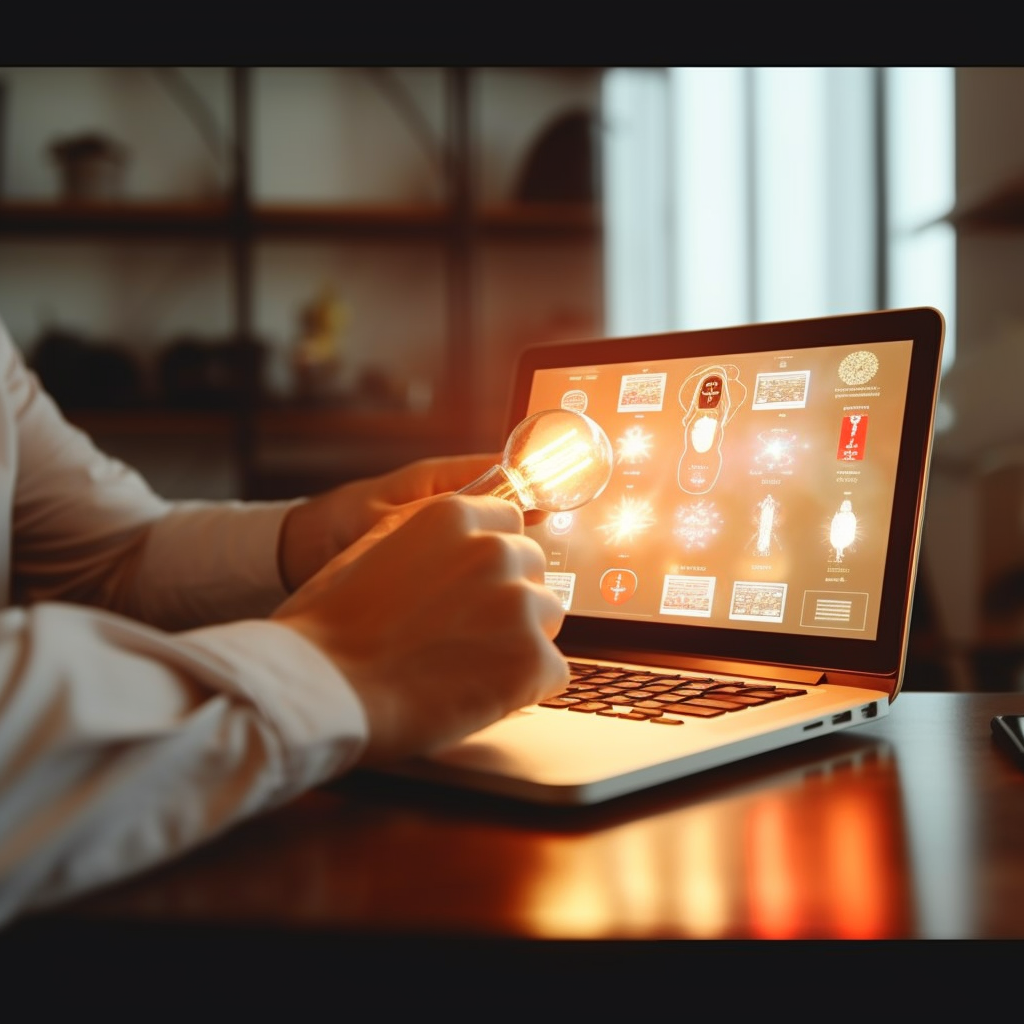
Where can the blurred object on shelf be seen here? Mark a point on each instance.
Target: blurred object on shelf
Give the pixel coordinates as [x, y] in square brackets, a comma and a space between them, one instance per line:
[205, 374]
[80, 374]
[377, 389]
[92, 167]
[319, 355]
[419, 394]
[563, 165]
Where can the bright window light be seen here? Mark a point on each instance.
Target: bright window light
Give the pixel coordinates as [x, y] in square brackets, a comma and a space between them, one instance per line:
[737, 194]
[921, 178]
[709, 154]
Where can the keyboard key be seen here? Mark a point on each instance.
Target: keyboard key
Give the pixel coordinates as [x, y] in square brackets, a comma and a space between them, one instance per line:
[587, 706]
[721, 703]
[692, 710]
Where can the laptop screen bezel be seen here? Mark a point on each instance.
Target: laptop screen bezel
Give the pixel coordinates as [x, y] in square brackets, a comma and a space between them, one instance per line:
[924, 327]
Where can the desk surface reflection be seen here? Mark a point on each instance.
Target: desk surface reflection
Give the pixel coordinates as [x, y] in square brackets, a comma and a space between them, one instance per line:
[912, 827]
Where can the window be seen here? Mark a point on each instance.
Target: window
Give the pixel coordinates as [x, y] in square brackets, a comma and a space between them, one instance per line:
[740, 194]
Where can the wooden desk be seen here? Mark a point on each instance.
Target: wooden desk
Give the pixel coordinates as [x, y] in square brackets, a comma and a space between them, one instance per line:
[909, 828]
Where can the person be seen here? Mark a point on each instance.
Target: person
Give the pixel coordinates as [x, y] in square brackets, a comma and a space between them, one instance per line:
[169, 668]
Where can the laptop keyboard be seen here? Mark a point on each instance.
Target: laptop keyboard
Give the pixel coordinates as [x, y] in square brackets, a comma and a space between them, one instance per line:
[662, 698]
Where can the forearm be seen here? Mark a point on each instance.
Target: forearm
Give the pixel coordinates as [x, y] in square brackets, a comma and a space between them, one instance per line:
[205, 563]
[121, 746]
[197, 564]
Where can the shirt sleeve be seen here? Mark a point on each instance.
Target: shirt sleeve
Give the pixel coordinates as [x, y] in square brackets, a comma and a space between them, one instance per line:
[86, 528]
[122, 746]
[145, 703]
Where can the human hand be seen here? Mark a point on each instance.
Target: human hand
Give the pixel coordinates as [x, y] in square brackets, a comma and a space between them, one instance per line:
[441, 627]
[316, 530]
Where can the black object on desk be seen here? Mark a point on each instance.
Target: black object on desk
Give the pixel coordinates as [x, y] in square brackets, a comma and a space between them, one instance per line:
[1008, 731]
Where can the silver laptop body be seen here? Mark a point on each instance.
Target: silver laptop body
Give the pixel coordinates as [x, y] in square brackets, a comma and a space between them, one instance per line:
[760, 536]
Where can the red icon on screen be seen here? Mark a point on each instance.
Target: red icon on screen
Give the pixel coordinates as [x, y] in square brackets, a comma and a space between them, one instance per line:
[852, 435]
[618, 585]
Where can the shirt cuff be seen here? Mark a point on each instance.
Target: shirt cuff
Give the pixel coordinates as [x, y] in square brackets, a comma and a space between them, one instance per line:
[297, 689]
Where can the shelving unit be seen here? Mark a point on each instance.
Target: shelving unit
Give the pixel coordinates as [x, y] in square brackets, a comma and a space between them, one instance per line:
[990, 233]
[281, 445]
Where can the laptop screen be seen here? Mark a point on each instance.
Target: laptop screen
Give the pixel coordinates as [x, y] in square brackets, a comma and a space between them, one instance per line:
[767, 483]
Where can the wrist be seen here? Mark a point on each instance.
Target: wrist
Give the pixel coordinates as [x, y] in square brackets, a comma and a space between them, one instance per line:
[300, 546]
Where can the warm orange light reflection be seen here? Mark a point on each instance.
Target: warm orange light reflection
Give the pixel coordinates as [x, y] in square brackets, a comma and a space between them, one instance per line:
[831, 879]
[812, 858]
[776, 875]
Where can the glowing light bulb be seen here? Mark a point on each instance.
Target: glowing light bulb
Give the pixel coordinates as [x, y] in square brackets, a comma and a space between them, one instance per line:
[555, 460]
[843, 531]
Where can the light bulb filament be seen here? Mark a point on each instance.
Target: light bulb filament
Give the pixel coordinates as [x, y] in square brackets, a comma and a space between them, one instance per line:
[562, 473]
[556, 462]
[548, 450]
[568, 468]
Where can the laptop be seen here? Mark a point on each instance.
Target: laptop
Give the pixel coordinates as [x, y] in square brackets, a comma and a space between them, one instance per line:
[744, 581]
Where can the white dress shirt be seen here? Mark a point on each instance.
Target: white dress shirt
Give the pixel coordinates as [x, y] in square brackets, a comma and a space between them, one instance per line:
[145, 704]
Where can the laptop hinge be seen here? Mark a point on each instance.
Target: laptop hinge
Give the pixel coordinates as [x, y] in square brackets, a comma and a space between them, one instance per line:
[712, 666]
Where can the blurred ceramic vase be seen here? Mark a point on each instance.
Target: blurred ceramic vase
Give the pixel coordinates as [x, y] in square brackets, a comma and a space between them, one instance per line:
[92, 167]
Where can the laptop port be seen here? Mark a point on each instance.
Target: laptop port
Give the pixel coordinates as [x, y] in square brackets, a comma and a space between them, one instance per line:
[871, 711]
[813, 725]
[843, 716]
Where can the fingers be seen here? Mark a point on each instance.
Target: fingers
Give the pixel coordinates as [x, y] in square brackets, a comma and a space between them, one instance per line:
[551, 613]
[441, 627]
[550, 675]
[439, 475]
[478, 514]
[316, 530]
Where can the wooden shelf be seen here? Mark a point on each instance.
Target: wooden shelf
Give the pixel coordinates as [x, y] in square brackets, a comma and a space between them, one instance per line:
[541, 219]
[43, 217]
[358, 219]
[154, 422]
[313, 422]
[184, 218]
[278, 421]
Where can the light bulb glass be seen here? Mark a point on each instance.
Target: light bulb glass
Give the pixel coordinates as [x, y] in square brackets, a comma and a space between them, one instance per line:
[555, 460]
